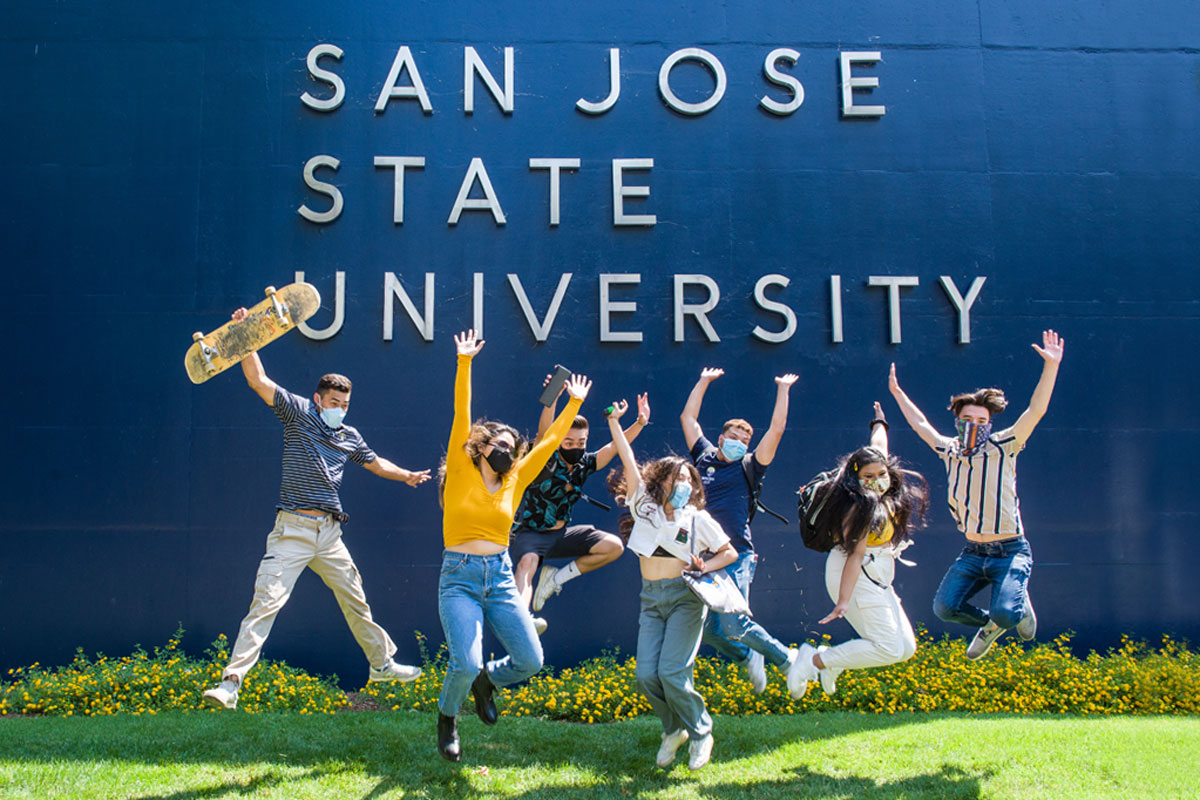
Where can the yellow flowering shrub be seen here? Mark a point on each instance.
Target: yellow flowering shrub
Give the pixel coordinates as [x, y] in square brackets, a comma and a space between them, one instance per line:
[1132, 678]
[167, 679]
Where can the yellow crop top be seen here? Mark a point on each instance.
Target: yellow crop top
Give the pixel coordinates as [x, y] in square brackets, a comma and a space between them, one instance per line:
[881, 535]
[471, 511]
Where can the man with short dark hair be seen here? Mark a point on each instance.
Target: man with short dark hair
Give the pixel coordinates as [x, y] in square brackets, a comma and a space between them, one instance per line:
[543, 531]
[981, 468]
[308, 531]
[732, 477]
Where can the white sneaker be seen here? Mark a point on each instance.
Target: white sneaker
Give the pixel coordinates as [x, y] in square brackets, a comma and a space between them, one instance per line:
[757, 669]
[223, 695]
[801, 671]
[670, 743]
[391, 671]
[828, 676]
[540, 625]
[546, 587]
[985, 637]
[1027, 627]
[699, 752]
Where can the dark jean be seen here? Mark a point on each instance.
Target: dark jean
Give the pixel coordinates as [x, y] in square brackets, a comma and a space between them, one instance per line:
[735, 635]
[1005, 566]
[474, 590]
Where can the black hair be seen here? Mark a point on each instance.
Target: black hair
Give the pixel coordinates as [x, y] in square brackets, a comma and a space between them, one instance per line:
[850, 512]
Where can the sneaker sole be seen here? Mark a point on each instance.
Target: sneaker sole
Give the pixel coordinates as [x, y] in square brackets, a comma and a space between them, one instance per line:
[538, 600]
[212, 702]
[390, 679]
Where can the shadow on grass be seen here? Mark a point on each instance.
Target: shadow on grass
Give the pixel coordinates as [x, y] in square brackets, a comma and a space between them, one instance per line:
[519, 758]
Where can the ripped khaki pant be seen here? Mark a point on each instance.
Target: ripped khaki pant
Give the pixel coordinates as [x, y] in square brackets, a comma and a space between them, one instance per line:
[296, 542]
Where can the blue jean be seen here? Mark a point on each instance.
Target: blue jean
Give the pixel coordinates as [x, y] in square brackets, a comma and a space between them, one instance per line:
[668, 637]
[473, 590]
[735, 635]
[1005, 566]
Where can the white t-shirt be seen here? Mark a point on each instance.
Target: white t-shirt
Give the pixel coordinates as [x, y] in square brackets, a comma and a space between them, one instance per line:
[652, 529]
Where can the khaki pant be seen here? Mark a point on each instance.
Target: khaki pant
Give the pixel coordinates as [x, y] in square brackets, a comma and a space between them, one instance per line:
[295, 543]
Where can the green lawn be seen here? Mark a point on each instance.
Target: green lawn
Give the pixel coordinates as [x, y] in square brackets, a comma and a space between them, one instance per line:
[390, 755]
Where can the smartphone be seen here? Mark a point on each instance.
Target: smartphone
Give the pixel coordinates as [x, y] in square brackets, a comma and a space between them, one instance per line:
[550, 393]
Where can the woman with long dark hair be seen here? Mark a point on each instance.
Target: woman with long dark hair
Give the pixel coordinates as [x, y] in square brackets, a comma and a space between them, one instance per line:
[488, 467]
[870, 506]
[670, 530]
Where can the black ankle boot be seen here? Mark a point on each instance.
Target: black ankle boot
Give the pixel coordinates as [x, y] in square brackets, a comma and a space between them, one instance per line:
[485, 705]
[448, 744]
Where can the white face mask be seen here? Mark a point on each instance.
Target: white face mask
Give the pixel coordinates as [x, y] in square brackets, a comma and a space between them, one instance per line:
[878, 485]
[333, 416]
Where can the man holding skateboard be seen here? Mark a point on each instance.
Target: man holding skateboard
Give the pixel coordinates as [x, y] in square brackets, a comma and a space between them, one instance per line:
[308, 531]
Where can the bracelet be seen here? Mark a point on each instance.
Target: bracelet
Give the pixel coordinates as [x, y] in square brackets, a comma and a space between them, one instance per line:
[879, 421]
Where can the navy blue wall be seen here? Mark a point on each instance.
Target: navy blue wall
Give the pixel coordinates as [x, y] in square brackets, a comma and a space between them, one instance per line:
[154, 175]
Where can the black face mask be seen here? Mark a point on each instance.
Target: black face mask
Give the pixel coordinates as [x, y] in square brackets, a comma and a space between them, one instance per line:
[500, 460]
[571, 455]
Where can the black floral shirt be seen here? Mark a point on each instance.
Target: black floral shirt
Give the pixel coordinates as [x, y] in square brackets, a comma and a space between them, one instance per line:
[550, 497]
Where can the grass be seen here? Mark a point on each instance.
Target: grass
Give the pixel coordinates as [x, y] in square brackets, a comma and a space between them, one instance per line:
[376, 755]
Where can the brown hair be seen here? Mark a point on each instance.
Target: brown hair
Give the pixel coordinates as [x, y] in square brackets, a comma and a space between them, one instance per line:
[616, 486]
[659, 477]
[991, 399]
[580, 422]
[480, 436]
[738, 423]
[333, 381]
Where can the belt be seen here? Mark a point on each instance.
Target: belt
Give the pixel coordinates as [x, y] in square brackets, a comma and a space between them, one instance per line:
[337, 516]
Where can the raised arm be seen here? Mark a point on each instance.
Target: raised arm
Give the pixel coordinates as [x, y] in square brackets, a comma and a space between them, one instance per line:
[690, 418]
[468, 347]
[633, 478]
[605, 454]
[769, 443]
[879, 430]
[913, 415]
[529, 466]
[546, 418]
[252, 368]
[386, 469]
[1051, 352]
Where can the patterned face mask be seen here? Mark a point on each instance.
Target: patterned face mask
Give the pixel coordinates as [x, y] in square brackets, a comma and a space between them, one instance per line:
[878, 485]
[972, 435]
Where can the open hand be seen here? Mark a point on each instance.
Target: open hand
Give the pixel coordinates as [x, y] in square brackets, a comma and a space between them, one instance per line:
[893, 384]
[838, 612]
[711, 373]
[466, 343]
[578, 386]
[1052, 347]
[787, 380]
[644, 408]
[618, 409]
[416, 478]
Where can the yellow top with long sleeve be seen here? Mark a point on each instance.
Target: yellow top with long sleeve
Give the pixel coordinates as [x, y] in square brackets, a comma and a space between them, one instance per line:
[471, 511]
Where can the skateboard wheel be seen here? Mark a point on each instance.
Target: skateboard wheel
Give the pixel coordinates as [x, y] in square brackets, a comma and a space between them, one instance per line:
[270, 291]
[197, 336]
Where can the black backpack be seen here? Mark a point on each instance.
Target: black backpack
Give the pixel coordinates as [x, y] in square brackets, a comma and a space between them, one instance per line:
[756, 503]
[813, 496]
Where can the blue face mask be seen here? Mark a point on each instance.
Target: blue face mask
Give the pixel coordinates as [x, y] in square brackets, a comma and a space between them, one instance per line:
[680, 495]
[733, 449]
[333, 416]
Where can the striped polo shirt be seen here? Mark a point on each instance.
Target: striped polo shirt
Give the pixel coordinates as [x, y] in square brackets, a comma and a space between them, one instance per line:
[982, 488]
[314, 455]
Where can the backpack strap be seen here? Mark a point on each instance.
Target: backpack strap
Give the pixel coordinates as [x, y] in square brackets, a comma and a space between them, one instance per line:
[756, 503]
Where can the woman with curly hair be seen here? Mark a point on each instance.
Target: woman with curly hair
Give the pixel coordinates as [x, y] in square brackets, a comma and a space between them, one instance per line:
[670, 530]
[870, 505]
[488, 466]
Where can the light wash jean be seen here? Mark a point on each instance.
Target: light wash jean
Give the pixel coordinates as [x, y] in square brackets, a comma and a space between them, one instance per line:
[735, 635]
[668, 637]
[474, 590]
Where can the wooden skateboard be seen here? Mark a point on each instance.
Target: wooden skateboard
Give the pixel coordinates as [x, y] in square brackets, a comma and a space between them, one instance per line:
[213, 353]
